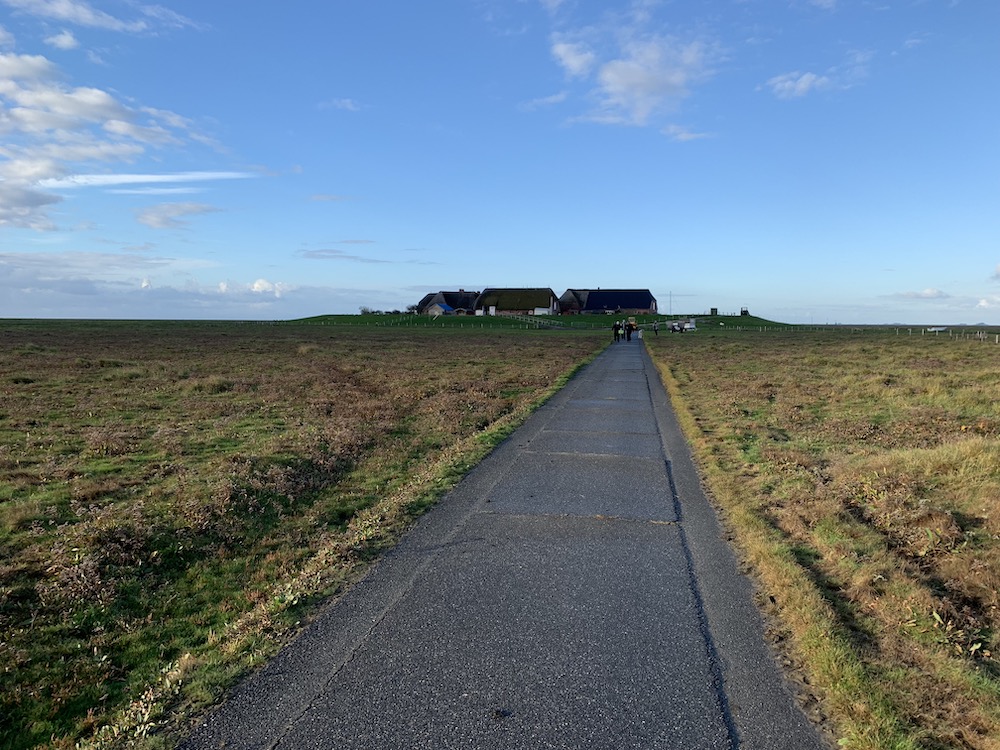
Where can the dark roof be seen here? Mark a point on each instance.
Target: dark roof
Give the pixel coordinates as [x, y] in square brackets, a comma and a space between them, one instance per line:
[613, 299]
[573, 299]
[460, 300]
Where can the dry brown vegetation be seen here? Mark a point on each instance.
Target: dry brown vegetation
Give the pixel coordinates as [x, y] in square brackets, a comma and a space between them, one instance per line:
[860, 473]
[174, 497]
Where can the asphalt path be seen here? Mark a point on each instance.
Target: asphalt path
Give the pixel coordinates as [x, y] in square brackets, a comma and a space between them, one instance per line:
[573, 591]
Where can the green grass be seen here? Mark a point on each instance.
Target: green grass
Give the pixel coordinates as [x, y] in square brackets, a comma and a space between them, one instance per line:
[860, 473]
[175, 498]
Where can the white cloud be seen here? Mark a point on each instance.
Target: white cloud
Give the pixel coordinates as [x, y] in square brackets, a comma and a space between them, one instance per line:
[52, 134]
[84, 14]
[651, 74]
[797, 84]
[263, 286]
[153, 134]
[6, 38]
[21, 68]
[172, 215]
[634, 68]
[23, 207]
[75, 106]
[574, 57]
[76, 12]
[64, 40]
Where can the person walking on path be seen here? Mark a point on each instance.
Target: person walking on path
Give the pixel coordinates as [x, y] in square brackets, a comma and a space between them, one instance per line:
[618, 331]
[656, 328]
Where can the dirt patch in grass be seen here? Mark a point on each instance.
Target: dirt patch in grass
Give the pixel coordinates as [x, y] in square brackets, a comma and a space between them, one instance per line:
[175, 498]
[861, 475]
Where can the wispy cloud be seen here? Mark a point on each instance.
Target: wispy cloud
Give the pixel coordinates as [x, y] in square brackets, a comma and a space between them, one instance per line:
[346, 105]
[75, 12]
[50, 130]
[157, 191]
[138, 284]
[172, 215]
[795, 84]
[48, 270]
[108, 180]
[339, 255]
[929, 293]
[171, 19]
[81, 13]
[544, 101]
[327, 198]
[682, 134]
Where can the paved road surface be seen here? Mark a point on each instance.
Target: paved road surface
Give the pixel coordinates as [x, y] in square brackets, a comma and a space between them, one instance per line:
[572, 592]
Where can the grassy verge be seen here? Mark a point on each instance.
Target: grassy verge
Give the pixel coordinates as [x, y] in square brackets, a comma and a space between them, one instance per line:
[861, 477]
[177, 498]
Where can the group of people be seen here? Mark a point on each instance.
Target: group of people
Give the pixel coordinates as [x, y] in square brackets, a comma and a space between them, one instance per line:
[623, 329]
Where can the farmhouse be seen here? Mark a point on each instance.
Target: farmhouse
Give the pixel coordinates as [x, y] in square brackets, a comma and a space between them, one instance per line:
[611, 301]
[448, 303]
[517, 302]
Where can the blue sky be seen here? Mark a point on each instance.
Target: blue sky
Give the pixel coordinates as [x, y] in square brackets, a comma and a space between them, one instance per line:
[827, 161]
